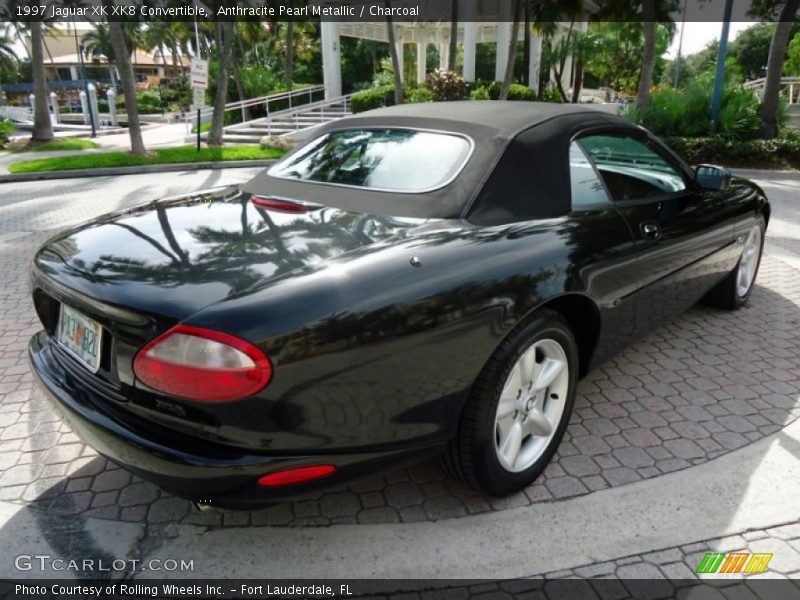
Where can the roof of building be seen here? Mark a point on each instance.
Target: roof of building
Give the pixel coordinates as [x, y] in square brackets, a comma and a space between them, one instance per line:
[139, 59]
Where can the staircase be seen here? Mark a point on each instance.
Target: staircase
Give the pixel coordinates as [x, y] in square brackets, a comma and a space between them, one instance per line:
[288, 122]
[794, 116]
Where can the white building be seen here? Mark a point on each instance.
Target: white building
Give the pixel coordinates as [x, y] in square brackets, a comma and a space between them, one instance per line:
[479, 21]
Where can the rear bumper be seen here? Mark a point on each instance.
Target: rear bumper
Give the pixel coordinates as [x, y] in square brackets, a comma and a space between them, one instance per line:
[195, 469]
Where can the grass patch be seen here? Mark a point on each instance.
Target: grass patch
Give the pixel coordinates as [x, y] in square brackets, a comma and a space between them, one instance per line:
[161, 156]
[203, 127]
[56, 144]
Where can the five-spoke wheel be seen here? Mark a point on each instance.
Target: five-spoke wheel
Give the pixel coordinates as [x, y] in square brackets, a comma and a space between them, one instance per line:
[531, 405]
[519, 407]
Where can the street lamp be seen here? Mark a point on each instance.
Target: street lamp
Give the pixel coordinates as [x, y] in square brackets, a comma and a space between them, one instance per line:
[79, 48]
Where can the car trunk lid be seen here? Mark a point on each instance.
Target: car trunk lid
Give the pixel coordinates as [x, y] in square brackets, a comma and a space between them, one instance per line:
[141, 271]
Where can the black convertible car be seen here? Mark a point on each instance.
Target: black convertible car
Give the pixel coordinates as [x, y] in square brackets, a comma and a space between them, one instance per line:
[414, 281]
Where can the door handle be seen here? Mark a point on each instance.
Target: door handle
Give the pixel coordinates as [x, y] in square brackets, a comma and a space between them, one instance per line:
[650, 230]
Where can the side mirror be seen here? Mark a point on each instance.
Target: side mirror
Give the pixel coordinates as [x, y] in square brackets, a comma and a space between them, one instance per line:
[712, 177]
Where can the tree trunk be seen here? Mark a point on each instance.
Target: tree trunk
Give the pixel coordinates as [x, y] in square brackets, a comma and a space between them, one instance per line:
[648, 54]
[512, 52]
[224, 36]
[398, 79]
[42, 126]
[237, 78]
[772, 83]
[578, 84]
[453, 50]
[128, 81]
[526, 45]
[290, 52]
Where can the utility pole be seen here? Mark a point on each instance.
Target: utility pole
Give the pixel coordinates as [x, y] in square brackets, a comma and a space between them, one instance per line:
[719, 79]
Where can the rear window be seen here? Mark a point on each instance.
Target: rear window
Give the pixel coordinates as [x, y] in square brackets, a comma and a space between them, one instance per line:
[401, 160]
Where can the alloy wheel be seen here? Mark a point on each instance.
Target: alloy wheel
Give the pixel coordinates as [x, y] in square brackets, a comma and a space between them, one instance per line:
[531, 405]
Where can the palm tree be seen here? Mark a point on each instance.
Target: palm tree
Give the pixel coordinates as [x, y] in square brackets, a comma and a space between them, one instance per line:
[8, 57]
[224, 40]
[42, 125]
[156, 37]
[289, 70]
[451, 55]
[648, 54]
[398, 78]
[512, 51]
[772, 83]
[119, 45]
[97, 43]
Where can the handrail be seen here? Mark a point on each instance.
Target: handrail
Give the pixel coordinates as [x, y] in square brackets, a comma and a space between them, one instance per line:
[754, 83]
[261, 100]
[293, 114]
[19, 114]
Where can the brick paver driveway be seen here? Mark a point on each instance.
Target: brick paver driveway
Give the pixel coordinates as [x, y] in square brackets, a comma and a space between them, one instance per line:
[706, 383]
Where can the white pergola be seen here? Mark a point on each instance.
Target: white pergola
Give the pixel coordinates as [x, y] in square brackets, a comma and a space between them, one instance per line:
[479, 21]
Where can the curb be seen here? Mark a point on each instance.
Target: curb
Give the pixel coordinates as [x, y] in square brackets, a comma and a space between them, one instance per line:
[110, 171]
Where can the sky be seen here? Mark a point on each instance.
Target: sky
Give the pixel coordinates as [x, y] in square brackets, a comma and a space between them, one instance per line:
[698, 34]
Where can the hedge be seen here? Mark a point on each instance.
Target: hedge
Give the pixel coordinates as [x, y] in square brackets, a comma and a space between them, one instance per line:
[378, 97]
[780, 152]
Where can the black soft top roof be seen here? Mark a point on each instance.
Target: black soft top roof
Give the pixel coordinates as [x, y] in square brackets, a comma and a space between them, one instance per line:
[493, 126]
[505, 119]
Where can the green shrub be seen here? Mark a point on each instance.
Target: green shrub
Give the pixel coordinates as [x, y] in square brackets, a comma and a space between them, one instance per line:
[480, 93]
[372, 98]
[491, 91]
[550, 94]
[521, 92]
[781, 151]
[687, 113]
[148, 102]
[260, 81]
[6, 129]
[446, 85]
[419, 94]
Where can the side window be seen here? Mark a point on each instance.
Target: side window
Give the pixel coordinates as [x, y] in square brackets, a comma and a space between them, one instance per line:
[631, 168]
[584, 182]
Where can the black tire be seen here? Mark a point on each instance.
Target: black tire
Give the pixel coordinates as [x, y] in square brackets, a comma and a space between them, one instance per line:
[725, 294]
[471, 455]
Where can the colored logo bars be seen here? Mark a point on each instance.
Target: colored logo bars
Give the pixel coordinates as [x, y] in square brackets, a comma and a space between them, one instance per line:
[734, 562]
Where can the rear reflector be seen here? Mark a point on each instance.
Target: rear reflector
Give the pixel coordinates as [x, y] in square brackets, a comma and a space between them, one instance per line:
[202, 364]
[281, 205]
[296, 475]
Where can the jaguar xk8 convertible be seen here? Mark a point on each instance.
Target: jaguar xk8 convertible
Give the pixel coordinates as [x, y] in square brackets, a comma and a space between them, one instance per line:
[414, 281]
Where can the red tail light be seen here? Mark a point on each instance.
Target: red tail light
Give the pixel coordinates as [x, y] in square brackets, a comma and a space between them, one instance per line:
[279, 204]
[201, 364]
[296, 475]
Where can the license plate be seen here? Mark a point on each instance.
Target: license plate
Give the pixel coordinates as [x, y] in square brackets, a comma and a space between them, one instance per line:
[80, 335]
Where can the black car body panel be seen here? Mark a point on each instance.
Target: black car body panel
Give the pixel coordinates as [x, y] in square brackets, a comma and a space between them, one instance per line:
[376, 325]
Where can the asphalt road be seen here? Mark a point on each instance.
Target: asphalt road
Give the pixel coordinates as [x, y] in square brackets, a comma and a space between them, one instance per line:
[45, 205]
